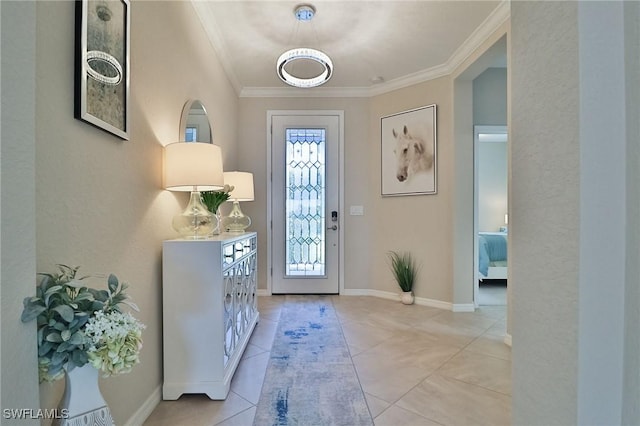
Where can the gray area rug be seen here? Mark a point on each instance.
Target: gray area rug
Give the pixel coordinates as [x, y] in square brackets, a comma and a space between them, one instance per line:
[310, 379]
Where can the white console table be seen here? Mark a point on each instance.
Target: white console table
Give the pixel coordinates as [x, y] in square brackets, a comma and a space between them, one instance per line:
[209, 300]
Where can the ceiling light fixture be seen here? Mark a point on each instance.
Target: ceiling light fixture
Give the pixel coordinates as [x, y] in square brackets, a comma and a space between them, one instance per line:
[304, 13]
[305, 53]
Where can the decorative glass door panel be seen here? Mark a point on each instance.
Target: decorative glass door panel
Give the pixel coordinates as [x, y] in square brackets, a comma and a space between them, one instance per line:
[304, 196]
[305, 205]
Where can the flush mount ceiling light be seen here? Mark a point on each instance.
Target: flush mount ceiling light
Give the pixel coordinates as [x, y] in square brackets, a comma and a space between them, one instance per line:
[304, 13]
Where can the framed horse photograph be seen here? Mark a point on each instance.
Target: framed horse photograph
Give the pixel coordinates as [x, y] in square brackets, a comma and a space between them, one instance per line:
[408, 152]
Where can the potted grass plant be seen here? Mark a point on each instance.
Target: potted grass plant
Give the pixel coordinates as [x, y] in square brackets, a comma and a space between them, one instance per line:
[404, 271]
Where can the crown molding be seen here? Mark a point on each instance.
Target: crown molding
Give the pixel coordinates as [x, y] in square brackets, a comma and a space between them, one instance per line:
[315, 92]
[492, 23]
[346, 92]
[409, 80]
[217, 42]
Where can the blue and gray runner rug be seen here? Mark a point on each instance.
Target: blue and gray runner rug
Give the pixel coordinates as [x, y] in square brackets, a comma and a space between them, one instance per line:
[310, 379]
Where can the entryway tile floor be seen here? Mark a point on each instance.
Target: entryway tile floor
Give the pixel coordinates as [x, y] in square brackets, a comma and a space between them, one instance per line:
[417, 366]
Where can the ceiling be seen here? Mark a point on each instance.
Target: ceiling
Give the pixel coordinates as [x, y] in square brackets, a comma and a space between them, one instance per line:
[375, 46]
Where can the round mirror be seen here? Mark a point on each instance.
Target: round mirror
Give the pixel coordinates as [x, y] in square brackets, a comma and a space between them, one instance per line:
[194, 123]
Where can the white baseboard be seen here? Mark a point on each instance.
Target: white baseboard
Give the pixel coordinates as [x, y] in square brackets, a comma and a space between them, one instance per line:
[384, 294]
[146, 408]
[463, 307]
[433, 303]
[422, 301]
[507, 339]
[355, 292]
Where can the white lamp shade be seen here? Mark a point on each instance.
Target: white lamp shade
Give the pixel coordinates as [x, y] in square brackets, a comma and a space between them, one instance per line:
[189, 165]
[242, 183]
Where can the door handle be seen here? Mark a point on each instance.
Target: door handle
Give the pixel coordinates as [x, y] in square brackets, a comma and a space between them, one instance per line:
[334, 227]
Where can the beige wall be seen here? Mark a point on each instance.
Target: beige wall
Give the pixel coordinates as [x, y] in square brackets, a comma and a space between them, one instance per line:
[545, 259]
[19, 386]
[383, 226]
[492, 185]
[252, 157]
[418, 224]
[99, 199]
[485, 56]
[422, 225]
[490, 97]
[575, 209]
[631, 391]
[490, 109]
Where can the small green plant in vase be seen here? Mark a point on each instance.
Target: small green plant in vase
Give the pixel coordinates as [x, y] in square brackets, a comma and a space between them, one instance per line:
[214, 199]
[404, 271]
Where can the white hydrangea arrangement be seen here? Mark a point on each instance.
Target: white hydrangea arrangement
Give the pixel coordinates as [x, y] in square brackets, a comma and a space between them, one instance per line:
[116, 340]
[78, 324]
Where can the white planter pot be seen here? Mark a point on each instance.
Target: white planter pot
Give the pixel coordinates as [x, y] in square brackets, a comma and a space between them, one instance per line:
[82, 403]
[407, 297]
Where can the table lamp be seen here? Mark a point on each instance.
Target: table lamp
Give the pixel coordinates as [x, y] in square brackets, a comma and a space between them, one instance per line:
[242, 183]
[194, 167]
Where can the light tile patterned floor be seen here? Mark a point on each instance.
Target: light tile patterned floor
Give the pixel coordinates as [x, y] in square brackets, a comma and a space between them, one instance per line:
[417, 366]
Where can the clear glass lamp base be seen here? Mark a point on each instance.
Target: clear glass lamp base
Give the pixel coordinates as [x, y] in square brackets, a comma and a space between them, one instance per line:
[236, 221]
[195, 222]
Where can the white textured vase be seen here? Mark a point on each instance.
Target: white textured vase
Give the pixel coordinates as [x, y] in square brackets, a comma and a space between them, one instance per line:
[407, 297]
[82, 402]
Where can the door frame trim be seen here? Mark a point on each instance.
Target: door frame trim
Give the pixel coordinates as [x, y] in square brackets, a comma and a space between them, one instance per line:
[340, 115]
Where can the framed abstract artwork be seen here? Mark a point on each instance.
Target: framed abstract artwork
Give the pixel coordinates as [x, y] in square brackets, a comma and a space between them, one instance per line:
[102, 64]
[408, 152]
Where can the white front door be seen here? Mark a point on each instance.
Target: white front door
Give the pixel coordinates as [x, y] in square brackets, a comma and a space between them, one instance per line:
[305, 210]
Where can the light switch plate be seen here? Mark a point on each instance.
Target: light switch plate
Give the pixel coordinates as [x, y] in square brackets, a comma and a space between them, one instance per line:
[356, 210]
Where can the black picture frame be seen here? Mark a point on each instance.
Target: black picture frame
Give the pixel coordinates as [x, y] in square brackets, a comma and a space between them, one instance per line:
[409, 152]
[102, 79]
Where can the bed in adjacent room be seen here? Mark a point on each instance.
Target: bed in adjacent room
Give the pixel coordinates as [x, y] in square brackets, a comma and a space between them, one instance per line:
[492, 251]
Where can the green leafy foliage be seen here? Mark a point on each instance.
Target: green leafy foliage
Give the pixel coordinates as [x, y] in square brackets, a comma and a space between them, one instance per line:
[404, 269]
[214, 199]
[62, 306]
